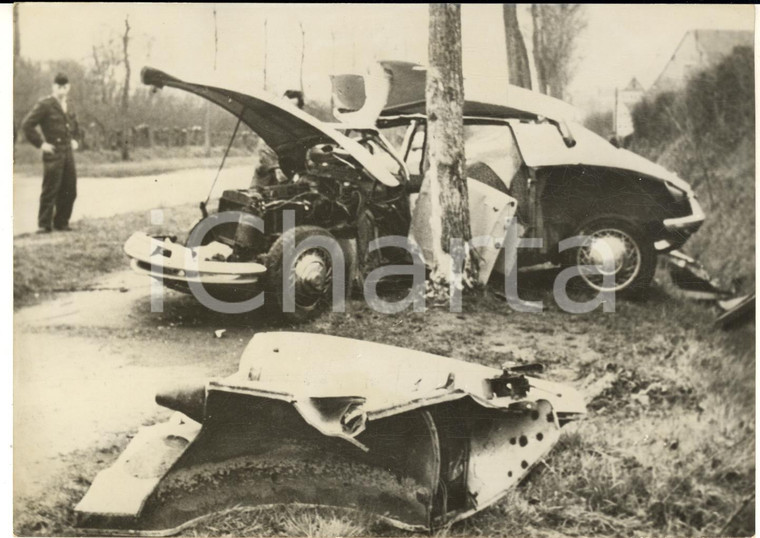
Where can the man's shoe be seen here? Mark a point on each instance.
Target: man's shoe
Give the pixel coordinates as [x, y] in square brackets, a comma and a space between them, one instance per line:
[44, 230]
[65, 228]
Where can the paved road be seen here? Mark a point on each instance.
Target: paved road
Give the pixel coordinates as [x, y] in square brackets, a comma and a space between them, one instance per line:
[87, 365]
[105, 197]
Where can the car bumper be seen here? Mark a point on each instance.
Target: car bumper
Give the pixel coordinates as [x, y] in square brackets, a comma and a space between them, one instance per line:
[678, 230]
[180, 267]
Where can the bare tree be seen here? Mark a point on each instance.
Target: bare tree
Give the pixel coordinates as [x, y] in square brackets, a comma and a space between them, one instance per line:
[517, 54]
[555, 31]
[103, 73]
[445, 149]
[207, 112]
[303, 52]
[125, 94]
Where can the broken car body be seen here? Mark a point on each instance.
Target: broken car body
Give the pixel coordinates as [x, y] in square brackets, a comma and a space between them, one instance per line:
[417, 439]
[566, 180]
[526, 168]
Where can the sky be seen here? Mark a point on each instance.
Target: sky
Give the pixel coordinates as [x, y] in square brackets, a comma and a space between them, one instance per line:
[619, 42]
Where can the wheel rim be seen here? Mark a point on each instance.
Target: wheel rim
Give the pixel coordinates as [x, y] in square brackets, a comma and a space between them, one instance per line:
[312, 272]
[609, 252]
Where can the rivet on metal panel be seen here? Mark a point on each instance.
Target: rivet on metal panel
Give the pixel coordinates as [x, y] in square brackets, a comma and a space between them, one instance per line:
[524, 464]
[523, 440]
[539, 436]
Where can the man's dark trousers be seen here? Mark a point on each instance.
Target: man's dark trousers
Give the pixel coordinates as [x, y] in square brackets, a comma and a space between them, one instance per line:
[59, 188]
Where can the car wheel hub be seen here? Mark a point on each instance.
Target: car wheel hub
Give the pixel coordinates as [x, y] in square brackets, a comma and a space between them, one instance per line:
[312, 275]
[609, 260]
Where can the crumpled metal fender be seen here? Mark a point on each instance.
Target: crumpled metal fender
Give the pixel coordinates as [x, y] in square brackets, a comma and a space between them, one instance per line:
[417, 439]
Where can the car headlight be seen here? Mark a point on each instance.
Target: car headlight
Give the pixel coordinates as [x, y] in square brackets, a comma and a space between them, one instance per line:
[677, 194]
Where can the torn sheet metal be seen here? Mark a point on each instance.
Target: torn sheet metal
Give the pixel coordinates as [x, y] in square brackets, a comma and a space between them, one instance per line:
[692, 277]
[417, 439]
[492, 213]
[736, 311]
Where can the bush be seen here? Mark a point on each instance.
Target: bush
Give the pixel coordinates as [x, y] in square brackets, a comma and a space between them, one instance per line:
[705, 133]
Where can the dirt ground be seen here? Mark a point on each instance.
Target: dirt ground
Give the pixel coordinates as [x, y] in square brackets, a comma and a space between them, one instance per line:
[87, 365]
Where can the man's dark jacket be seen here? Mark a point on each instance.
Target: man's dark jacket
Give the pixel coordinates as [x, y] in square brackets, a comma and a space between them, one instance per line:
[58, 127]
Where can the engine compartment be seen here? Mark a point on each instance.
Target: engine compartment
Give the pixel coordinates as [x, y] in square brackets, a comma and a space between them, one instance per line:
[330, 192]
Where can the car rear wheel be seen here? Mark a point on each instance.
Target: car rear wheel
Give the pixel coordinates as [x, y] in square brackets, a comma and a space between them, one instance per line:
[615, 256]
[311, 269]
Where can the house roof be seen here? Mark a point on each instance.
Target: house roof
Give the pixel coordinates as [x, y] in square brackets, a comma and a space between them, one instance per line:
[714, 45]
[634, 86]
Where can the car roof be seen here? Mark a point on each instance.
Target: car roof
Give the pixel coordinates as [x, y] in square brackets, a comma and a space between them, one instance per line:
[407, 97]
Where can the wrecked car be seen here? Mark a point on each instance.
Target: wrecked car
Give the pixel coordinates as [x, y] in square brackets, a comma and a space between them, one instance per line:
[527, 171]
[417, 439]
[343, 185]
[566, 180]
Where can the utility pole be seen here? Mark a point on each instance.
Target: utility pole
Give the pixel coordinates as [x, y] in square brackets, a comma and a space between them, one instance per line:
[266, 44]
[303, 53]
[207, 110]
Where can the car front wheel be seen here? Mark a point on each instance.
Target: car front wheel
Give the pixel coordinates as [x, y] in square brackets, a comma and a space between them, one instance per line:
[615, 255]
[311, 270]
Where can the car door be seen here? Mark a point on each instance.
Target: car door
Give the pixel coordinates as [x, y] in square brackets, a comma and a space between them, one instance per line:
[492, 165]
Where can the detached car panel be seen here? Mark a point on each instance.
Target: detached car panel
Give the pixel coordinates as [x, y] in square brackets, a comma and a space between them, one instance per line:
[417, 439]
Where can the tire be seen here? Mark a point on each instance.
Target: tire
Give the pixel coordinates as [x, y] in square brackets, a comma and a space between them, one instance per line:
[635, 258]
[313, 288]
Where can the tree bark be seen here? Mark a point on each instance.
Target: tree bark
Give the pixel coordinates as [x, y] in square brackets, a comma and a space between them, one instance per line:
[125, 95]
[538, 53]
[517, 54]
[450, 216]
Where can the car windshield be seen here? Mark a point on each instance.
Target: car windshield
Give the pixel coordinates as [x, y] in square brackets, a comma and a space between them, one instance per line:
[376, 146]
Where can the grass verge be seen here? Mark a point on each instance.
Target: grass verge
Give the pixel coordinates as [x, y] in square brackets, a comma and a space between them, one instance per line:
[65, 261]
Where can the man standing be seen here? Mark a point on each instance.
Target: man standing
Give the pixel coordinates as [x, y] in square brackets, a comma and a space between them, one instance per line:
[58, 142]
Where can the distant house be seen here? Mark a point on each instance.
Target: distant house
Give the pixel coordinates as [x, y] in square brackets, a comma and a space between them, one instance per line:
[625, 100]
[698, 50]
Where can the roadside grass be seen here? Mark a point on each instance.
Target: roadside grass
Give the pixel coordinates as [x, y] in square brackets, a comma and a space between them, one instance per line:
[143, 161]
[66, 261]
[726, 241]
[667, 447]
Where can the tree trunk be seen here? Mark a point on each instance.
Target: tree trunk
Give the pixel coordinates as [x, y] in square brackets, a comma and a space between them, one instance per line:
[517, 54]
[450, 218]
[125, 95]
[538, 53]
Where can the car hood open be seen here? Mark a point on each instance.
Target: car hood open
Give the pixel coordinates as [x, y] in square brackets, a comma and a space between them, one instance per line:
[286, 129]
